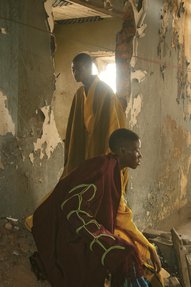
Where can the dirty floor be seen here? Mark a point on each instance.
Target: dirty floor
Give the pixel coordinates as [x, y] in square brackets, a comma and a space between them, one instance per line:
[16, 245]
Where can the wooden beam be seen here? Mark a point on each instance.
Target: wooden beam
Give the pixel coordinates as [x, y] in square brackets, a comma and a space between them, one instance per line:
[188, 260]
[180, 252]
[173, 282]
[100, 8]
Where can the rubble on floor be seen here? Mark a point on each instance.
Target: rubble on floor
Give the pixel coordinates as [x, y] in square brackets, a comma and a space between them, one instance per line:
[17, 245]
[175, 252]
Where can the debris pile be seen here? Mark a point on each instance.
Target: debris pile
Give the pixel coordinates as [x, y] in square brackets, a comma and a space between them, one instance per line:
[17, 245]
[175, 252]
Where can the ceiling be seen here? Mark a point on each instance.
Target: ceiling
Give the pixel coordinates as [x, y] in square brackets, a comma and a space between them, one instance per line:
[70, 10]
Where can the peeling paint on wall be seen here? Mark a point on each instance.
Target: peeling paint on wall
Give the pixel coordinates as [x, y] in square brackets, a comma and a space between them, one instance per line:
[176, 17]
[50, 137]
[133, 110]
[124, 52]
[127, 47]
[139, 16]
[31, 157]
[31, 152]
[3, 30]
[6, 124]
[138, 75]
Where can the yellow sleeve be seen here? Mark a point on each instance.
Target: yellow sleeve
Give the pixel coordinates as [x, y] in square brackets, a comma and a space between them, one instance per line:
[124, 222]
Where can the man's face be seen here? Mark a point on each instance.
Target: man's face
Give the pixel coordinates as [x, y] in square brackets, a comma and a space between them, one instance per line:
[79, 71]
[132, 154]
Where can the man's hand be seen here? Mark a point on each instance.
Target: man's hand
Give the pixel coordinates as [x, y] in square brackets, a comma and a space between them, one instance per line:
[155, 259]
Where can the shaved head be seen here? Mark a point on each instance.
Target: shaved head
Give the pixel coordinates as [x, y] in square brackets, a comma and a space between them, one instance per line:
[82, 67]
[121, 136]
[126, 145]
[83, 58]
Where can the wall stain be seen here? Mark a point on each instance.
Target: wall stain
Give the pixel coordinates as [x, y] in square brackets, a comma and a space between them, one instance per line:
[173, 180]
[175, 17]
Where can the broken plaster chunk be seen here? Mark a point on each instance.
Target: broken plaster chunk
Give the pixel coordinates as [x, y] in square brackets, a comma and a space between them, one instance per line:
[138, 75]
[8, 226]
[3, 31]
[31, 157]
[15, 252]
[141, 31]
[7, 125]
[13, 220]
[50, 138]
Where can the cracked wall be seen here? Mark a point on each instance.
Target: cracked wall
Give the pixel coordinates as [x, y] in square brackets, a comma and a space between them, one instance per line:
[159, 108]
[31, 154]
[158, 93]
[160, 111]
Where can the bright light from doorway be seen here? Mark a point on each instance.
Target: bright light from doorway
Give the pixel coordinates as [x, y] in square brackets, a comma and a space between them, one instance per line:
[108, 75]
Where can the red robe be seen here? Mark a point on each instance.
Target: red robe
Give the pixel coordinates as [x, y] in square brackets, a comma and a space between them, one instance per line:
[73, 229]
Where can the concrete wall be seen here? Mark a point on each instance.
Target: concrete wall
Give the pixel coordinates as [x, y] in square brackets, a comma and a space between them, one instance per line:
[31, 151]
[160, 110]
[159, 107]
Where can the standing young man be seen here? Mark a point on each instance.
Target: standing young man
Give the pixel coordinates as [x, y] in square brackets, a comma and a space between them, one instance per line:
[95, 113]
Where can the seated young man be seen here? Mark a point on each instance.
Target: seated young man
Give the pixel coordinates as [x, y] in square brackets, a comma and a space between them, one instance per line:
[77, 228]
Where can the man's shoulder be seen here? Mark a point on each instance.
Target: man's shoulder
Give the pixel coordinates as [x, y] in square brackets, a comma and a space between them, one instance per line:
[79, 92]
[100, 163]
[101, 85]
[96, 165]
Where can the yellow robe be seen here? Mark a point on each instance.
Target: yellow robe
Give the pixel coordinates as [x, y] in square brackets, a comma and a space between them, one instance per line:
[93, 117]
[126, 229]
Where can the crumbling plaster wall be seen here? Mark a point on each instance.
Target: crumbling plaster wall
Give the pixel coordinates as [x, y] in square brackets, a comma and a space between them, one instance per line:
[72, 39]
[159, 108]
[160, 111]
[31, 151]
